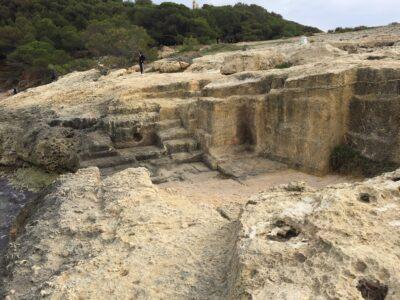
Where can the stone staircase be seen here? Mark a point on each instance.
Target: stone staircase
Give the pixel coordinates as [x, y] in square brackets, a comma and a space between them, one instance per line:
[173, 144]
[127, 156]
[177, 142]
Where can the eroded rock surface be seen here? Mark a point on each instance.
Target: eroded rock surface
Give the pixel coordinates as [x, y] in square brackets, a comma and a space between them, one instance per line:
[284, 101]
[170, 66]
[251, 61]
[340, 242]
[119, 238]
[122, 237]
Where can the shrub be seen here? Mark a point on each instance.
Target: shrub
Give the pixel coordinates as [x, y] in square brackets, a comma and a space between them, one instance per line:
[190, 44]
[104, 38]
[114, 62]
[284, 65]
[38, 54]
[80, 64]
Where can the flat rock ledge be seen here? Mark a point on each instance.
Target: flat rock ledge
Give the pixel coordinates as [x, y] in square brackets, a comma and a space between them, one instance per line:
[122, 238]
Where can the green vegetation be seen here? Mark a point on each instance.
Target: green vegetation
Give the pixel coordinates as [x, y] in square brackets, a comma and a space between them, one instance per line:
[218, 48]
[284, 65]
[346, 160]
[190, 44]
[28, 177]
[37, 36]
[348, 29]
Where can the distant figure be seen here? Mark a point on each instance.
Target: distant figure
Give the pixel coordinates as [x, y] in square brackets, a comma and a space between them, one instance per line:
[142, 58]
[303, 40]
[53, 75]
[14, 91]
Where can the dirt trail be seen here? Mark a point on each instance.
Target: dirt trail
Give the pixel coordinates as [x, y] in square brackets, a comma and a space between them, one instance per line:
[212, 189]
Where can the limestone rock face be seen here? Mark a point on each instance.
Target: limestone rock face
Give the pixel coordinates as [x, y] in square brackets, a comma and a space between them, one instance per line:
[206, 63]
[52, 148]
[122, 237]
[55, 149]
[340, 242]
[170, 66]
[119, 238]
[315, 52]
[251, 61]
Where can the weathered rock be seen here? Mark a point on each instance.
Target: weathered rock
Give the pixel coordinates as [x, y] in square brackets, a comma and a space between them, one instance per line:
[170, 66]
[54, 149]
[315, 53]
[336, 243]
[113, 238]
[207, 63]
[251, 61]
[165, 52]
[119, 238]
[133, 69]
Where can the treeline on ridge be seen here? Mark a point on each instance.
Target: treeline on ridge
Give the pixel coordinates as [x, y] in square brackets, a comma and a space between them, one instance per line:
[37, 36]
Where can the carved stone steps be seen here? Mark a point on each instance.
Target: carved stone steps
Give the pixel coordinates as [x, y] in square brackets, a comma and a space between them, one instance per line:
[180, 145]
[187, 157]
[167, 124]
[172, 134]
[142, 153]
[98, 154]
[124, 156]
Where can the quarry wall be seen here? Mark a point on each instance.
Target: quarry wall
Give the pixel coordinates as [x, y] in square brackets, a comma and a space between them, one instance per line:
[303, 120]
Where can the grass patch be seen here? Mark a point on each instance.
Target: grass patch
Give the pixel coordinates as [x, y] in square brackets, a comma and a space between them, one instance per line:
[346, 160]
[284, 65]
[32, 178]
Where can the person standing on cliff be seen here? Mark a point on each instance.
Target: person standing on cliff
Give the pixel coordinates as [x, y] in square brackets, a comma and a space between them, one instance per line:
[142, 58]
[53, 75]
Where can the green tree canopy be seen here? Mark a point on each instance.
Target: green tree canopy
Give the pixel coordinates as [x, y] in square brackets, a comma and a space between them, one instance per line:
[104, 38]
[38, 54]
[74, 34]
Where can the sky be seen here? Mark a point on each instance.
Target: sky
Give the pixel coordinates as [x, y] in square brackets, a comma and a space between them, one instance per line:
[324, 14]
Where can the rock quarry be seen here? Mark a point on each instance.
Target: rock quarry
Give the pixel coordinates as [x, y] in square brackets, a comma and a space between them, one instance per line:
[187, 182]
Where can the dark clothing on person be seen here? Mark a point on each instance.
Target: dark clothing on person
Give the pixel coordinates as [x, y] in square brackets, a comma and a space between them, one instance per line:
[142, 58]
[53, 75]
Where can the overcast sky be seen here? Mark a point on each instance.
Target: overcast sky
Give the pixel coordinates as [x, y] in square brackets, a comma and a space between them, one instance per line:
[324, 14]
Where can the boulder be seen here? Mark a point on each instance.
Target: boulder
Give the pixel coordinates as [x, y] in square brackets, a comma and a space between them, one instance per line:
[170, 66]
[211, 62]
[133, 69]
[251, 61]
[53, 148]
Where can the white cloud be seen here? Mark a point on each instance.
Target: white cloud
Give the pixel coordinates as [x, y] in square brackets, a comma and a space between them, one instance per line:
[325, 14]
